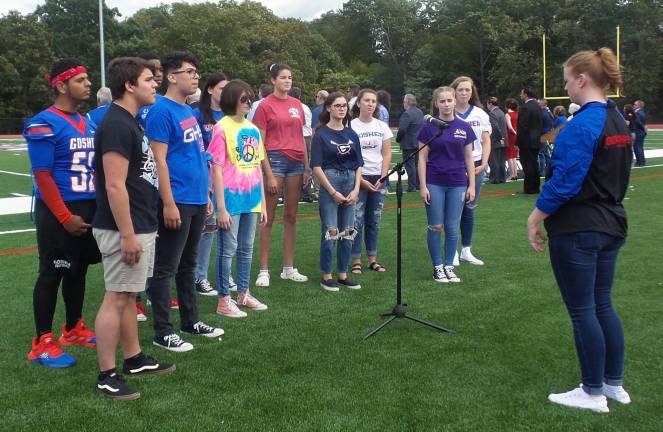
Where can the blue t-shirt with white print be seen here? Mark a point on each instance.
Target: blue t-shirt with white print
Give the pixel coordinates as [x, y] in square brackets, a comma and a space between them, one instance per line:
[174, 124]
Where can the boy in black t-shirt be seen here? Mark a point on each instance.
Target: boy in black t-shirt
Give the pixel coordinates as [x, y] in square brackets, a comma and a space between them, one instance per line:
[125, 224]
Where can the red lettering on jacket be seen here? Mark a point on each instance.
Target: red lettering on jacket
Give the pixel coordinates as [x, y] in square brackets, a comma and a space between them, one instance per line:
[617, 140]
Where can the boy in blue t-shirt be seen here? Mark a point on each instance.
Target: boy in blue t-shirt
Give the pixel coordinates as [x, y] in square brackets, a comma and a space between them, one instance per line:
[177, 144]
[61, 150]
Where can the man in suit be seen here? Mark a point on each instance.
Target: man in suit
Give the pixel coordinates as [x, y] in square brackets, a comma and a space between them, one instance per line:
[498, 142]
[529, 139]
[408, 130]
[640, 132]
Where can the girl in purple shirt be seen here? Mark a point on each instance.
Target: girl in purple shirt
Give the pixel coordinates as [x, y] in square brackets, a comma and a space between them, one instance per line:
[447, 167]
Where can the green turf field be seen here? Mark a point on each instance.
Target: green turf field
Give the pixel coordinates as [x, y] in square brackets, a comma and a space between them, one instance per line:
[302, 366]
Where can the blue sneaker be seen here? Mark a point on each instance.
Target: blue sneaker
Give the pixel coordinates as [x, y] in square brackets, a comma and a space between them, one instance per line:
[47, 352]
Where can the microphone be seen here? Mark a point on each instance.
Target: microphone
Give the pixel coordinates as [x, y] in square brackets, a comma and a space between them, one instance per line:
[435, 121]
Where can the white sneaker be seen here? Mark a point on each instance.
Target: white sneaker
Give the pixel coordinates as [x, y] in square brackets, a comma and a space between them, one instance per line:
[294, 276]
[451, 276]
[578, 398]
[466, 255]
[617, 393]
[263, 278]
[456, 261]
[231, 282]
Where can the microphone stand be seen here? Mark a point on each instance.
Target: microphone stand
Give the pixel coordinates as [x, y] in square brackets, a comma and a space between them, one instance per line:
[399, 311]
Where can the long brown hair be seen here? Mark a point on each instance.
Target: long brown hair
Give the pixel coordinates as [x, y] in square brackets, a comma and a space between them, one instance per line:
[474, 99]
[324, 116]
[355, 107]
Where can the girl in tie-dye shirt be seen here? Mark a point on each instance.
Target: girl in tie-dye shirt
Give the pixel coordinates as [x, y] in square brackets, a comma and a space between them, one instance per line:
[237, 149]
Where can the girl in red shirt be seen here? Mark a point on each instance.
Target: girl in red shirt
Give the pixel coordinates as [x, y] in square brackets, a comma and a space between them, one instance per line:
[280, 119]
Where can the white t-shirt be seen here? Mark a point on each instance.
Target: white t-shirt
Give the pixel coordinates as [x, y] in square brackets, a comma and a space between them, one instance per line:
[254, 107]
[308, 131]
[351, 103]
[371, 136]
[480, 122]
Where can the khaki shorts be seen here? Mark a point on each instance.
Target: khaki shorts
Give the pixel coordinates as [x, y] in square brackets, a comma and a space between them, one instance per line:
[118, 276]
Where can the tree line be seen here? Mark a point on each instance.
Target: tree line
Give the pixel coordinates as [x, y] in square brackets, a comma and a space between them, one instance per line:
[402, 46]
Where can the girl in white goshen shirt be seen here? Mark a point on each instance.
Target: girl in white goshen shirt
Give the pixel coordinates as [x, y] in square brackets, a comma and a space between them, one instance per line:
[375, 138]
[470, 109]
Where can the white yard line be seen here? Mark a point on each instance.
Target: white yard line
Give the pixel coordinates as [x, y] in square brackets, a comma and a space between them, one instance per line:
[15, 205]
[15, 173]
[18, 231]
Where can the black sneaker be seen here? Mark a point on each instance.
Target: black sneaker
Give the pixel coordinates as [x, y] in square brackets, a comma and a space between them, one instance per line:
[204, 288]
[439, 275]
[114, 387]
[172, 342]
[349, 283]
[202, 329]
[147, 365]
[328, 285]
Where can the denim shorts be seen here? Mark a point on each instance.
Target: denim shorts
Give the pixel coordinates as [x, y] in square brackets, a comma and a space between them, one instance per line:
[284, 167]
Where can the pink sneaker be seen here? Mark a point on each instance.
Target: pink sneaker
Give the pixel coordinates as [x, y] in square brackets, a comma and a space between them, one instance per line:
[227, 307]
[247, 300]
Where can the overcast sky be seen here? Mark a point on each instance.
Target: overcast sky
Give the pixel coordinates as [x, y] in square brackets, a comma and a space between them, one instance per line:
[303, 9]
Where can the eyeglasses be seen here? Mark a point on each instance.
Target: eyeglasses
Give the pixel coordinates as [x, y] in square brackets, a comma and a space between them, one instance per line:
[245, 100]
[192, 72]
[340, 106]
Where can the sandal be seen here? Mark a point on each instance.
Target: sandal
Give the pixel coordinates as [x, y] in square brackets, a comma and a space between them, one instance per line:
[356, 268]
[376, 266]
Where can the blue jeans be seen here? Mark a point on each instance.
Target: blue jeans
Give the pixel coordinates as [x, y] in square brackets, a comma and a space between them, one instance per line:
[639, 149]
[205, 244]
[368, 213]
[467, 219]
[204, 251]
[544, 159]
[445, 208]
[336, 222]
[584, 266]
[235, 241]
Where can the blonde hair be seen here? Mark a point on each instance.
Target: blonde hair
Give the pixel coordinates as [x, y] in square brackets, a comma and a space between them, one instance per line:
[434, 110]
[600, 65]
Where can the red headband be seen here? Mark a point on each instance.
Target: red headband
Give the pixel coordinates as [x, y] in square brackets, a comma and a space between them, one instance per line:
[64, 76]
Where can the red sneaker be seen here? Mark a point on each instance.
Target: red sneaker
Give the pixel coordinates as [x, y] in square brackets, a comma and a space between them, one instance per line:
[174, 304]
[80, 335]
[46, 352]
[141, 315]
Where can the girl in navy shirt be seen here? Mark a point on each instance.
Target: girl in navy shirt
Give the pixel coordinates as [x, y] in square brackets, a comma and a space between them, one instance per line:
[336, 161]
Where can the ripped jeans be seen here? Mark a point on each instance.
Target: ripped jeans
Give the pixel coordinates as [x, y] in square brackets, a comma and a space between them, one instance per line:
[368, 213]
[336, 222]
[443, 213]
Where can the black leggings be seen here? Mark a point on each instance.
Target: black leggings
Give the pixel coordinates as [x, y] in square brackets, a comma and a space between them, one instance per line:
[62, 258]
[45, 296]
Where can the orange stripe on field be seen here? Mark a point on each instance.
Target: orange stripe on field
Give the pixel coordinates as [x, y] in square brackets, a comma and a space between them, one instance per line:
[18, 251]
[642, 177]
